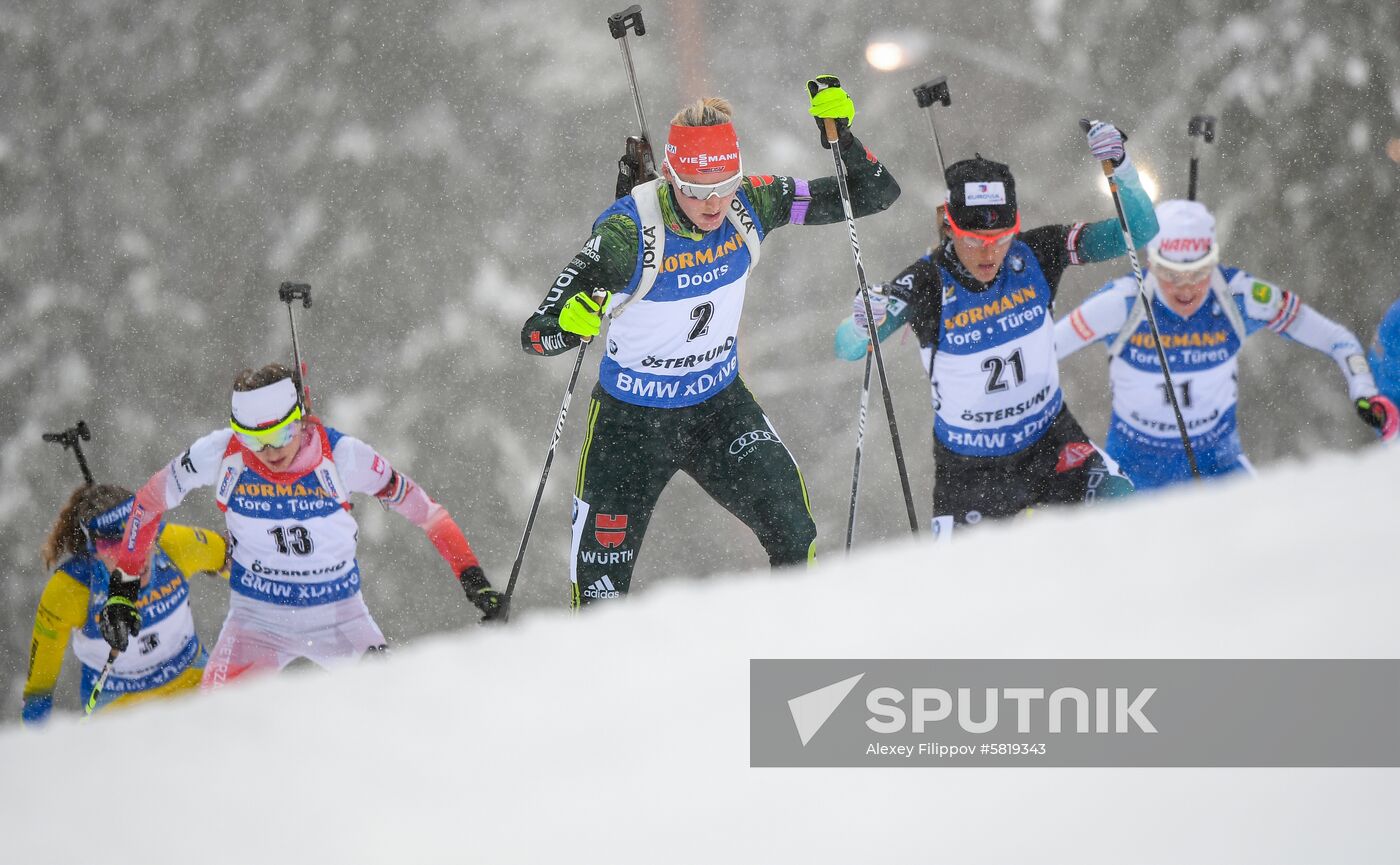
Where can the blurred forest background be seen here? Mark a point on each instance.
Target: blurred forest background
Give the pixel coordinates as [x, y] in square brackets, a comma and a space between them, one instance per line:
[429, 166]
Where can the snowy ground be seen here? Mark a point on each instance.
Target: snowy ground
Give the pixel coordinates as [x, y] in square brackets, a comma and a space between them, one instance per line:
[623, 736]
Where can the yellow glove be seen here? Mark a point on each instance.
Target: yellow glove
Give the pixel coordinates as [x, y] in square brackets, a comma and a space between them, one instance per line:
[830, 102]
[581, 315]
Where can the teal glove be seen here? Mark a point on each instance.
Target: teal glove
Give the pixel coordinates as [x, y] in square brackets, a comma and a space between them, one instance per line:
[581, 315]
[830, 102]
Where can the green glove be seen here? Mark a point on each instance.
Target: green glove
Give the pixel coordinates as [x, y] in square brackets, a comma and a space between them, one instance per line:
[830, 102]
[582, 315]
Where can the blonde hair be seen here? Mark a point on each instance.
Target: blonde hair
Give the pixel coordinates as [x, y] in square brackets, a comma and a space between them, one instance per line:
[66, 538]
[710, 111]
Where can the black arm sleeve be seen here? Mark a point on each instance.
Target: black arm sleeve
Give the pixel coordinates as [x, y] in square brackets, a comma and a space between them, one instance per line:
[921, 287]
[605, 262]
[870, 183]
[1056, 247]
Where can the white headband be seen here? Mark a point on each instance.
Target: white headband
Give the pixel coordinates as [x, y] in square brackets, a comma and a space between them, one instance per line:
[1186, 236]
[265, 405]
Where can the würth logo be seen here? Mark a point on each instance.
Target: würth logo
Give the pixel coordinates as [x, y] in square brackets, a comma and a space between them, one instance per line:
[610, 529]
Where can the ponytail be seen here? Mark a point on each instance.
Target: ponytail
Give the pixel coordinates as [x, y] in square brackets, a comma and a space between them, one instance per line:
[66, 538]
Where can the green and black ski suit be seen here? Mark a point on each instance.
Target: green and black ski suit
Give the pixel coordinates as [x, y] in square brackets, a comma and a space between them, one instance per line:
[669, 396]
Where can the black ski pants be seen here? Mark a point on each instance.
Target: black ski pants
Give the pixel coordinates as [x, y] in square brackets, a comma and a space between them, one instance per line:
[1062, 467]
[630, 453]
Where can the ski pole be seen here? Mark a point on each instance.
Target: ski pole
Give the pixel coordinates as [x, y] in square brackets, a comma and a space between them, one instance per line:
[598, 297]
[932, 93]
[1107, 166]
[638, 165]
[928, 94]
[73, 437]
[1200, 128]
[860, 444]
[100, 683]
[288, 292]
[833, 138]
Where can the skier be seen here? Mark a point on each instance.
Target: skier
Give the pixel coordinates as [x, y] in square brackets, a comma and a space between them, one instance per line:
[169, 657]
[1204, 312]
[283, 481]
[980, 306]
[672, 263]
[1384, 355]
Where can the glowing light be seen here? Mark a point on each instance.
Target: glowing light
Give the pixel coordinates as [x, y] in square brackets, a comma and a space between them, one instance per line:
[895, 49]
[1149, 184]
[886, 56]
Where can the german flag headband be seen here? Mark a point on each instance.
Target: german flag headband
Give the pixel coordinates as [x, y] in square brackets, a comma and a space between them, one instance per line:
[704, 149]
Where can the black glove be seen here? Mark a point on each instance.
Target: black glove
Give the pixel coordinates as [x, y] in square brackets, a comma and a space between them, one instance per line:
[492, 604]
[119, 620]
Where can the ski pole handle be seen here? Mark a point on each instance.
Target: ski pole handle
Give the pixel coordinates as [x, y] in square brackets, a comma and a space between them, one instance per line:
[629, 18]
[829, 124]
[1202, 125]
[1085, 124]
[933, 91]
[291, 291]
[288, 292]
[928, 94]
[1106, 164]
[73, 437]
[599, 296]
[618, 24]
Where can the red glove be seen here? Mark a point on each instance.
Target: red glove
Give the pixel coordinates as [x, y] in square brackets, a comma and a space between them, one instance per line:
[1380, 412]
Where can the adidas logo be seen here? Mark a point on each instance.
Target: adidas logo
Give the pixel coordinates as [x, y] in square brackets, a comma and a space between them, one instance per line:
[603, 588]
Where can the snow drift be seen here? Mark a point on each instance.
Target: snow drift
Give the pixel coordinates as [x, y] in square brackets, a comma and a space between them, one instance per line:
[622, 735]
